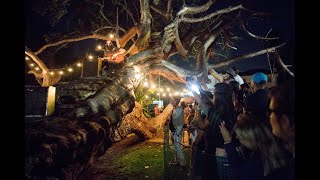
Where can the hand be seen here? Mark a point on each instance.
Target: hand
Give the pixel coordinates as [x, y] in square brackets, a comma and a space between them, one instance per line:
[225, 133]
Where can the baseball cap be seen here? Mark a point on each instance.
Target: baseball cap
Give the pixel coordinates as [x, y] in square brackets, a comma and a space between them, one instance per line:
[259, 78]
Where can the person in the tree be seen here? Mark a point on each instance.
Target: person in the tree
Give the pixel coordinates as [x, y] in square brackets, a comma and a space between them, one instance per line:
[113, 59]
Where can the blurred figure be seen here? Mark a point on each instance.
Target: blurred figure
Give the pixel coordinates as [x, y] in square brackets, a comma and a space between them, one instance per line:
[282, 118]
[265, 156]
[156, 110]
[236, 76]
[220, 110]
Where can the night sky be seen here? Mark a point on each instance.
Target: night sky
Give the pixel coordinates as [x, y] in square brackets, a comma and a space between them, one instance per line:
[282, 22]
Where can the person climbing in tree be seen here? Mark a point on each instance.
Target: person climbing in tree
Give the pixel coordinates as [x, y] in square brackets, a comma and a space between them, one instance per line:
[114, 58]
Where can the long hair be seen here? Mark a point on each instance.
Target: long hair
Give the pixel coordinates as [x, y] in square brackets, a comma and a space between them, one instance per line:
[260, 139]
[223, 98]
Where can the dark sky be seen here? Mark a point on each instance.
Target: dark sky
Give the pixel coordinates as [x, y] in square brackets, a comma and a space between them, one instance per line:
[282, 22]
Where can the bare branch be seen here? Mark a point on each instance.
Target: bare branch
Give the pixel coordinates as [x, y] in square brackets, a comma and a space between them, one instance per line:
[277, 56]
[219, 12]
[246, 56]
[129, 12]
[162, 13]
[94, 36]
[109, 27]
[101, 13]
[169, 9]
[253, 35]
[122, 41]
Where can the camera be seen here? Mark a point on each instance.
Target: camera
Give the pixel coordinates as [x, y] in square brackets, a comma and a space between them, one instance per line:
[189, 79]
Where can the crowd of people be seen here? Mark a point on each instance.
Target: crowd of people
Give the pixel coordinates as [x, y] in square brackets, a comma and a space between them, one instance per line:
[238, 131]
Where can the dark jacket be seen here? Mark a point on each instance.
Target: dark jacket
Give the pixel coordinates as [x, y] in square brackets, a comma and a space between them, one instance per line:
[257, 102]
[252, 168]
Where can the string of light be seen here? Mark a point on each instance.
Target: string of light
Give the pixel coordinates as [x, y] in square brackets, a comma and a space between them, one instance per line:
[69, 69]
[61, 71]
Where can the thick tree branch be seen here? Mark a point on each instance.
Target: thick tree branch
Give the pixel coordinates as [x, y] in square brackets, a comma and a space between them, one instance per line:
[246, 56]
[179, 45]
[180, 71]
[219, 12]
[205, 56]
[48, 79]
[195, 10]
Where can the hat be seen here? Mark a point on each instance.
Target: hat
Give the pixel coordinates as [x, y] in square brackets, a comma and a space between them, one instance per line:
[259, 78]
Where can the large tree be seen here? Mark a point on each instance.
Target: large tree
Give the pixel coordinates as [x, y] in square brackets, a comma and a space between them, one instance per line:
[152, 32]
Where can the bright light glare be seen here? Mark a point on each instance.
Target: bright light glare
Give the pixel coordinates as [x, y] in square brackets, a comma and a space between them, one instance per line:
[61, 72]
[147, 96]
[27, 58]
[136, 69]
[31, 64]
[37, 69]
[195, 88]
[168, 89]
[161, 89]
[70, 69]
[158, 94]
[99, 47]
[137, 76]
[52, 73]
[111, 35]
[79, 64]
[153, 86]
[145, 84]
[90, 57]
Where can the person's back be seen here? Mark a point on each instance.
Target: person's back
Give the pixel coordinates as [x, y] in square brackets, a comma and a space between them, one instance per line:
[257, 103]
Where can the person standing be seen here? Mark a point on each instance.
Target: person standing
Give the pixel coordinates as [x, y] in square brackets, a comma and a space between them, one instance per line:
[177, 121]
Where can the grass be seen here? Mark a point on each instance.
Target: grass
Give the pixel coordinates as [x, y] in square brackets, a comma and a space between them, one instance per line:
[146, 161]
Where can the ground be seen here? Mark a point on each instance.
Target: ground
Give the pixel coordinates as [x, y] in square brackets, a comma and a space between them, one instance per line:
[132, 159]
